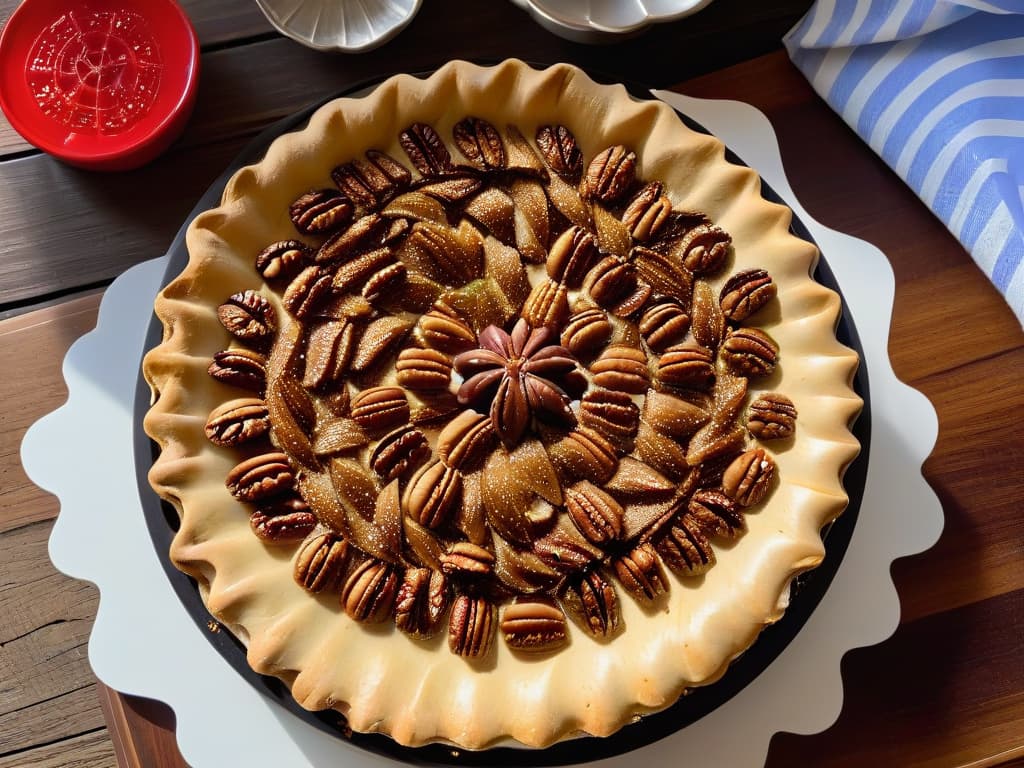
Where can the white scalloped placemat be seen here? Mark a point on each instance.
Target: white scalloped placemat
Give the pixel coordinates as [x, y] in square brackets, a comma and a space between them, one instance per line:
[145, 643]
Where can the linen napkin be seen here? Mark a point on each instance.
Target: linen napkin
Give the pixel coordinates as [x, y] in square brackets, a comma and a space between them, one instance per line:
[936, 88]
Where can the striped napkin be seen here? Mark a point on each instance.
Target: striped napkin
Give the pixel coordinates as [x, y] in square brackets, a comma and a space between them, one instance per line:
[936, 88]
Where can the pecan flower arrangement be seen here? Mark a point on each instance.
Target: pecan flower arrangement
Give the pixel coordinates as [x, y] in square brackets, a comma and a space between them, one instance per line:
[493, 382]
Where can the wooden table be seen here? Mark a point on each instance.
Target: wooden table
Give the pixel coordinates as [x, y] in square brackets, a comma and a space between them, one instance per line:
[946, 690]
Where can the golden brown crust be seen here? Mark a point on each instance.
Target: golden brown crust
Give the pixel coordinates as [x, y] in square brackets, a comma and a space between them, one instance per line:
[417, 691]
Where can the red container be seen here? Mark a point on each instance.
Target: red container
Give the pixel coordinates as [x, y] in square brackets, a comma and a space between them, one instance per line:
[101, 84]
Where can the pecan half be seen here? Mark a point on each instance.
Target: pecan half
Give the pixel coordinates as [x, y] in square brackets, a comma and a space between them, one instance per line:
[260, 476]
[749, 477]
[237, 421]
[704, 249]
[610, 175]
[664, 273]
[586, 331]
[480, 142]
[750, 352]
[612, 413]
[304, 294]
[571, 256]
[688, 365]
[584, 453]
[398, 451]
[547, 305]
[595, 513]
[465, 559]
[373, 181]
[533, 626]
[422, 600]
[426, 150]
[716, 513]
[622, 368]
[424, 370]
[283, 260]
[664, 324]
[329, 349]
[432, 494]
[465, 439]
[248, 315]
[611, 281]
[321, 211]
[592, 601]
[772, 417]
[367, 231]
[560, 151]
[370, 591]
[647, 212]
[354, 273]
[384, 282]
[444, 332]
[380, 408]
[746, 292]
[241, 368]
[685, 549]
[471, 626]
[320, 562]
[640, 572]
[282, 519]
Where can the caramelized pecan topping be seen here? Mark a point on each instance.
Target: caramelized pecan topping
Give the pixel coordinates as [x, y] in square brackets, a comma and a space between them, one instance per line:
[772, 417]
[480, 142]
[610, 175]
[426, 150]
[261, 476]
[422, 601]
[248, 316]
[438, 442]
[321, 211]
[749, 477]
[241, 368]
[283, 259]
[560, 151]
[533, 626]
[471, 626]
[746, 292]
[370, 591]
[320, 562]
[237, 421]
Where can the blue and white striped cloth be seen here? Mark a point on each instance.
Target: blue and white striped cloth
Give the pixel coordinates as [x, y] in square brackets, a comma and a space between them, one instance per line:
[936, 88]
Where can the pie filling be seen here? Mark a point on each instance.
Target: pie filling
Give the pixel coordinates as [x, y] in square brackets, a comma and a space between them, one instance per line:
[491, 389]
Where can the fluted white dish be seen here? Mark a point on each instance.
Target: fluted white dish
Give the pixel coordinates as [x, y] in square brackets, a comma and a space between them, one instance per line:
[340, 25]
[602, 21]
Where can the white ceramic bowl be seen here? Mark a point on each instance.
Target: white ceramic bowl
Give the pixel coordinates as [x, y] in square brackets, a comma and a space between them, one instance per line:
[603, 21]
[340, 25]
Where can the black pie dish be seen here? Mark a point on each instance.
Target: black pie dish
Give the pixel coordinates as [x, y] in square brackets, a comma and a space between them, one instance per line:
[806, 592]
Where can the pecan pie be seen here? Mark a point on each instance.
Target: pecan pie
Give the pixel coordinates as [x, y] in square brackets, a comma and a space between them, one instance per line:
[498, 405]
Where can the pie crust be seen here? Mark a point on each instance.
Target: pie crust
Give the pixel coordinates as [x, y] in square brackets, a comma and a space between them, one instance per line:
[416, 691]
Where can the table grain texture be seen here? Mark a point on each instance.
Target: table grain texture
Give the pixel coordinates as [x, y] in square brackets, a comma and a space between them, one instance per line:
[947, 690]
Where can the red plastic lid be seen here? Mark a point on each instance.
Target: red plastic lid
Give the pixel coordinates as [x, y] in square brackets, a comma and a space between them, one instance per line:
[101, 84]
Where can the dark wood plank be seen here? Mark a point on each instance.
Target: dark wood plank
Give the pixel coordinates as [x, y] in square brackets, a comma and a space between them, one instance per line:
[63, 220]
[47, 688]
[90, 750]
[33, 346]
[142, 731]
